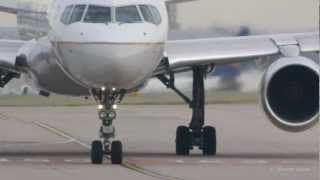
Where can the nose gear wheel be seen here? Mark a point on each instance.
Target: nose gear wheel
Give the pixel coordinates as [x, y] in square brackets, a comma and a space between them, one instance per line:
[107, 114]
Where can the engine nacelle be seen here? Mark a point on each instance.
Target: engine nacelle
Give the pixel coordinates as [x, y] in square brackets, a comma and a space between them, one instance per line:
[290, 93]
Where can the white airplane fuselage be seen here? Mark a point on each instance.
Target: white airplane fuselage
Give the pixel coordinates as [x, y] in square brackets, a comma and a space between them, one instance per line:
[73, 58]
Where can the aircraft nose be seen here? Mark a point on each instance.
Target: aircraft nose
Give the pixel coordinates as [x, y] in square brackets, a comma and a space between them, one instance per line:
[122, 66]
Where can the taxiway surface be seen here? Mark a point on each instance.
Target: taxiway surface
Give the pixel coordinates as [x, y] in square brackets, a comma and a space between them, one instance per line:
[52, 143]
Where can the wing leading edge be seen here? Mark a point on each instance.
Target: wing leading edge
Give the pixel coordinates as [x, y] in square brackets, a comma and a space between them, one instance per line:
[183, 54]
[15, 8]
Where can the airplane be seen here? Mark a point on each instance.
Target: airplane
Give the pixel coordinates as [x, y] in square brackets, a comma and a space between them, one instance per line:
[108, 48]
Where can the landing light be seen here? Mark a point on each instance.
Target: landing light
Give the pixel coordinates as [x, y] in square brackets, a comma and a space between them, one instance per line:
[103, 88]
[114, 89]
[100, 107]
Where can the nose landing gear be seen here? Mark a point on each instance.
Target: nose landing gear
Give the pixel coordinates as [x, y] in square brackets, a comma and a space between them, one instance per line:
[107, 114]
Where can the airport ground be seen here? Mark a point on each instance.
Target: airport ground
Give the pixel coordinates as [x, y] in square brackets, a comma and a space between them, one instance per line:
[52, 143]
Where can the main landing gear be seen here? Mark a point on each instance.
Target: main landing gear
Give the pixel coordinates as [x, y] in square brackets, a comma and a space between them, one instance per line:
[196, 135]
[107, 114]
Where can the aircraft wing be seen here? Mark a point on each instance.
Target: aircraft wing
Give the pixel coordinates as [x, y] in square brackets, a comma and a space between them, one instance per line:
[8, 52]
[8, 9]
[15, 8]
[184, 54]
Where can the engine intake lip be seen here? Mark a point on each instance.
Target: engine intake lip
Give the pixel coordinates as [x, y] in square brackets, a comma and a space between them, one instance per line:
[285, 123]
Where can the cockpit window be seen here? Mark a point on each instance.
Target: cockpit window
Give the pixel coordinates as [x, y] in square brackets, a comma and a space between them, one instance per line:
[127, 14]
[98, 14]
[77, 13]
[66, 14]
[150, 14]
[103, 14]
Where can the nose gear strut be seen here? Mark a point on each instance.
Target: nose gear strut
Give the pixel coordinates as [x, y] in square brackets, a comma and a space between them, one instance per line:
[107, 114]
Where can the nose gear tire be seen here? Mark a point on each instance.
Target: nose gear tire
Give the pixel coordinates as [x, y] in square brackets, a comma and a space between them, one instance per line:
[116, 152]
[96, 152]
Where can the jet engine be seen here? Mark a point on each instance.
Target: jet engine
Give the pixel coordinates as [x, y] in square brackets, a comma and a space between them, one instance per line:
[290, 93]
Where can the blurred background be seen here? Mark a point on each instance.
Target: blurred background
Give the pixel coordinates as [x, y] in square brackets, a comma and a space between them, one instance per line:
[196, 19]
